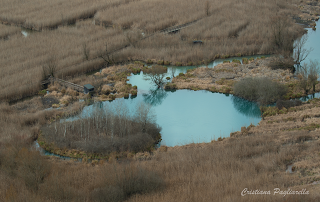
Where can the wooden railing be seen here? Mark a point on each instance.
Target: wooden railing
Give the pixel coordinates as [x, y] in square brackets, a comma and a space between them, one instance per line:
[64, 83]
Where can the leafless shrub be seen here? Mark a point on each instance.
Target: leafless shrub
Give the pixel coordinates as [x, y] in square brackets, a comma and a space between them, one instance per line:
[32, 168]
[300, 53]
[108, 130]
[156, 74]
[263, 90]
[308, 76]
[282, 63]
[288, 103]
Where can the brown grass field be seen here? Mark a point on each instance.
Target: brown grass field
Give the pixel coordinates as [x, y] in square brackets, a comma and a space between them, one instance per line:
[230, 28]
[40, 14]
[5, 31]
[254, 158]
[22, 58]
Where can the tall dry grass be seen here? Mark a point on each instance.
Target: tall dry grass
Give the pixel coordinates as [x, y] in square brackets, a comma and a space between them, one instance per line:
[151, 16]
[256, 158]
[22, 58]
[233, 28]
[230, 29]
[5, 31]
[39, 14]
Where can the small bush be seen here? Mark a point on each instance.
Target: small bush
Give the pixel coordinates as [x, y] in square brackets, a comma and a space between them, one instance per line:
[282, 63]
[170, 86]
[112, 97]
[63, 91]
[251, 59]
[160, 62]
[245, 61]
[149, 61]
[190, 63]
[181, 74]
[178, 64]
[168, 78]
[288, 103]
[138, 63]
[134, 87]
[263, 90]
[167, 62]
[42, 92]
[269, 111]
[134, 92]
[236, 61]
[126, 95]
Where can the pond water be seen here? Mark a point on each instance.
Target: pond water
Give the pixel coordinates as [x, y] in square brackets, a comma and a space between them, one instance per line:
[188, 116]
[314, 43]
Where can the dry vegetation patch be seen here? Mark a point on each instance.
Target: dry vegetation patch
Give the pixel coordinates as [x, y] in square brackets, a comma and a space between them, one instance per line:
[232, 28]
[5, 31]
[222, 77]
[226, 29]
[39, 14]
[258, 157]
[64, 49]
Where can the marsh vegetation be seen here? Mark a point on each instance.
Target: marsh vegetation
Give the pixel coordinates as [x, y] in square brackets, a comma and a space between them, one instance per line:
[76, 37]
[105, 130]
[230, 29]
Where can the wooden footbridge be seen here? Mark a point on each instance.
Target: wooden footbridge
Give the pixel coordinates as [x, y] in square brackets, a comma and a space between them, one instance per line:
[64, 83]
[175, 29]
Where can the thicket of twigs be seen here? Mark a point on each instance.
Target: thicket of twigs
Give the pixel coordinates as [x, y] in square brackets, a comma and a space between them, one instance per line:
[262, 90]
[107, 130]
[226, 28]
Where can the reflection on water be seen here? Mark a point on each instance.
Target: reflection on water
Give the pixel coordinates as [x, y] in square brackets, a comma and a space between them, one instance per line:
[155, 97]
[250, 109]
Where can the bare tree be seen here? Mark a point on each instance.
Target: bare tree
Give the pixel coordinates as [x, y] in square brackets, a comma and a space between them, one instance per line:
[156, 74]
[86, 51]
[106, 56]
[207, 7]
[282, 38]
[172, 71]
[308, 75]
[144, 115]
[299, 52]
[133, 37]
[50, 67]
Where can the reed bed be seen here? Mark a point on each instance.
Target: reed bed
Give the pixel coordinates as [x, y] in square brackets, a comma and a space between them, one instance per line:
[5, 31]
[39, 14]
[226, 29]
[256, 158]
[151, 16]
[240, 28]
[22, 58]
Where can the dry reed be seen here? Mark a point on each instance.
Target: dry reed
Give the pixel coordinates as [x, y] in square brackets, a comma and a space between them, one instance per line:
[5, 31]
[231, 28]
[22, 58]
[39, 14]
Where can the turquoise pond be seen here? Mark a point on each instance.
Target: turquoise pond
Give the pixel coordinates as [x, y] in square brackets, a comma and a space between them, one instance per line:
[188, 116]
